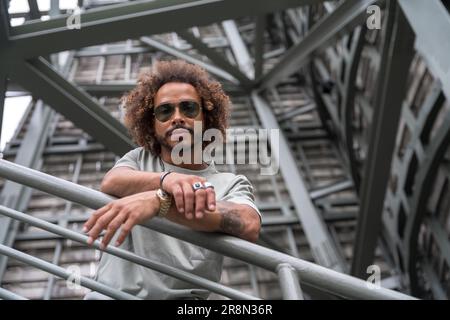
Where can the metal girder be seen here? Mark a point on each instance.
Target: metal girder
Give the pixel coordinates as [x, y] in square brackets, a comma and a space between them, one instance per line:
[34, 9]
[239, 48]
[116, 50]
[25, 14]
[345, 17]
[182, 55]
[39, 77]
[424, 180]
[132, 20]
[14, 195]
[215, 57]
[322, 246]
[377, 169]
[4, 22]
[334, 188]
[432, 39]
[3, 87]
[259, 45]
[119, 87]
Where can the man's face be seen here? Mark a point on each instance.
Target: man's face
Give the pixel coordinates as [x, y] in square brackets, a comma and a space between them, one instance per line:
[178, 125]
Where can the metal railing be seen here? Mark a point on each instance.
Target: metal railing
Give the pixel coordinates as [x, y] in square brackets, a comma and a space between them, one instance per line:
[291, 271]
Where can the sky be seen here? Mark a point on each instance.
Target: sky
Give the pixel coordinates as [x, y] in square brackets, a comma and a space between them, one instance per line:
[12, 113]
[14, 108]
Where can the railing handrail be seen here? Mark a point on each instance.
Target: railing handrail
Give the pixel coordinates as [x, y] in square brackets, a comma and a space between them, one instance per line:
[8, 295]
[317, 276]
[62, 273]
[127, 255]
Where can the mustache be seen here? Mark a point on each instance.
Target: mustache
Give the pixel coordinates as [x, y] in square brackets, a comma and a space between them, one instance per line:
[178, 126]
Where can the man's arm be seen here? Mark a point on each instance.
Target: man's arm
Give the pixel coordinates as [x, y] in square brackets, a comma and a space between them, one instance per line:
[125, 181]
[239, 220]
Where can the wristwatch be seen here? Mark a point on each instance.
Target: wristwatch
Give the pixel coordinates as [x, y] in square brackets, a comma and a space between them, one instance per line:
[165, 201]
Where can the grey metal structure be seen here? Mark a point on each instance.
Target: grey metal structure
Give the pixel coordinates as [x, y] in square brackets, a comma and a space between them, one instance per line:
[363, 143]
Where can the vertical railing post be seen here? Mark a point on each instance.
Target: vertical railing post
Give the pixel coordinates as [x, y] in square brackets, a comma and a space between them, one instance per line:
[289, 282]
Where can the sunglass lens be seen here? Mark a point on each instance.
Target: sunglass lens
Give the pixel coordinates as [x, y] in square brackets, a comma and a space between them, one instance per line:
[190, 109]
[164, 112]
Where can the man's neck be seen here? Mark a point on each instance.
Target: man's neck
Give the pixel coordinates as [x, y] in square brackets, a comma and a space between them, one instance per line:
[166, 157]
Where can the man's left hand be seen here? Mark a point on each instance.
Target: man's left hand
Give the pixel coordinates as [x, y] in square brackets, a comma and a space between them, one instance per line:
[126, 212]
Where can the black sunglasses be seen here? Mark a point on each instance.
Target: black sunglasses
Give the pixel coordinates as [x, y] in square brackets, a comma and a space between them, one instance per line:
[164, 111]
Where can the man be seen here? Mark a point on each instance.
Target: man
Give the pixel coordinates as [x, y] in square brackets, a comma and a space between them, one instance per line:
[160, 112]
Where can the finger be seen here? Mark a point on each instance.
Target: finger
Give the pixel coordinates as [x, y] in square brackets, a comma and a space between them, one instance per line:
[179, 198]
[112, 228]
[200, 201]
[101, 224]
[211, 199]
[94, 217]
[189, 197]
[124, 231]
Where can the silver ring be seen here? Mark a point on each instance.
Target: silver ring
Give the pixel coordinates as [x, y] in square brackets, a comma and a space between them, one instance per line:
[197, 185]
[207, 185]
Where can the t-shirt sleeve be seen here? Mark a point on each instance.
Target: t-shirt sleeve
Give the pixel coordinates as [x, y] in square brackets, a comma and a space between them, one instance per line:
[130, 160]
[241, 192]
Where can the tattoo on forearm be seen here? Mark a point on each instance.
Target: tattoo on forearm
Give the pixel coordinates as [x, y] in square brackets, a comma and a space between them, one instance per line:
[231, 221]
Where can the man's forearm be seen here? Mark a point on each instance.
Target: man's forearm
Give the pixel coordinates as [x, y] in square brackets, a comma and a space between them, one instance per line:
[231, 218]
[128, 182]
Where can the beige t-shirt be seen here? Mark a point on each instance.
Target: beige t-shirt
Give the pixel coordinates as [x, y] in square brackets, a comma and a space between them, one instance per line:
[148, 284]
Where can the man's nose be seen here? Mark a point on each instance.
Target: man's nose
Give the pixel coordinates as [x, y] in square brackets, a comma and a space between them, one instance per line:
[177, 117]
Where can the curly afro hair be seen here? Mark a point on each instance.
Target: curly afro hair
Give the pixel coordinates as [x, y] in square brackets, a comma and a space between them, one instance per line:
[139, 102]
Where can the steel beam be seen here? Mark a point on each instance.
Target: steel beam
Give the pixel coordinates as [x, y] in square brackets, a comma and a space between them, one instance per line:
[381, 144]
[25, 14]
[34, 10]
[3, 87]
[116, 50]
[239, 48]
[202, 47]
[334, 188]
[322, 246]
[343, 19]
[215, 57]
[321, 243]
[182, 55]
[259, 45]
[4, 22]
[41, 79]
[423, 188]
[432, 39]
[119, 87]
[132, 20]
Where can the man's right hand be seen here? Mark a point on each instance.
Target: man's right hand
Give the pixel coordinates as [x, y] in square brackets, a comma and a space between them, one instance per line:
[186, 199]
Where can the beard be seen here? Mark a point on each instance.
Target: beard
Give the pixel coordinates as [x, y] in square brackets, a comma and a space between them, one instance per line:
[166, 142]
